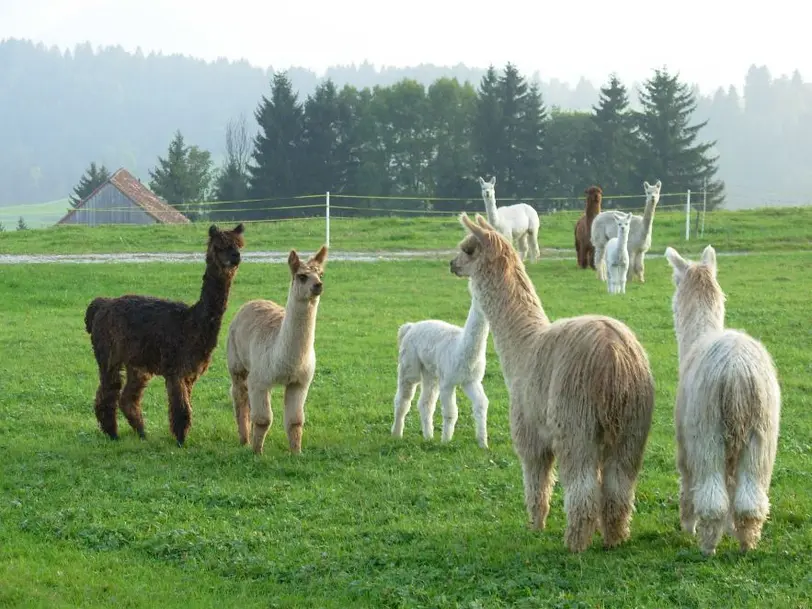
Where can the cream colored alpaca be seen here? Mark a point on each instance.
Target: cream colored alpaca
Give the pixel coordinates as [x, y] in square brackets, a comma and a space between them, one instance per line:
[519, 222]
[727, 412]
[439, 356]
[617, 256]
[269, 345]
[604, 228]
[581, 390]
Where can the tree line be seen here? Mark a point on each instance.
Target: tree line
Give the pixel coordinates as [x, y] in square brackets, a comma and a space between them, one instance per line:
[409, 140]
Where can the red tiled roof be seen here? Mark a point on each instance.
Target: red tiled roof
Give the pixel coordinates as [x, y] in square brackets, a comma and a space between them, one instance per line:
[141, 196]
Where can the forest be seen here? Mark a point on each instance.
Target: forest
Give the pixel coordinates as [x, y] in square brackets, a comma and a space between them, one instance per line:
[236, 132]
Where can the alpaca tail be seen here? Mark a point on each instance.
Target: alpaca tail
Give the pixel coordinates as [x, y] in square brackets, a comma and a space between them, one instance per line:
[91, 311]
[402, 331]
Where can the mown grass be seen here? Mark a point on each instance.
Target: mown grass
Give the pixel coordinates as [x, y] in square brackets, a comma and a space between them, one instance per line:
[769, 229]
[360, 519]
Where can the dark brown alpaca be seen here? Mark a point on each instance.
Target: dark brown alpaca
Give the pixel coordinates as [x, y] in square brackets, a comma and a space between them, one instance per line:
[149, 336]
[583, 228]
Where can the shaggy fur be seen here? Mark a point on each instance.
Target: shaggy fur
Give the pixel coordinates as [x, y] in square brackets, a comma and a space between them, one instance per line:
[617, 255]
[727, 412]
[604, 228]
[269, 345]
[518, 222]
[150, 336]
[581, 390]
[439, 356]
[583, 228]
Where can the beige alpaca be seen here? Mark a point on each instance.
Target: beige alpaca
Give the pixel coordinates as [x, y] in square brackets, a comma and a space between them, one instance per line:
[727, 412]
[269, 345]
[581, 390]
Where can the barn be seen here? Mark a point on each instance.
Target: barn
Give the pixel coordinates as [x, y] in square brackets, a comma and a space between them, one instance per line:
[123, 199]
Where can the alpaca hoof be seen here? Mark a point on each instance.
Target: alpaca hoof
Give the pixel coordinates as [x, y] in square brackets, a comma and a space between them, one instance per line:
[142, 434]
[180, 443]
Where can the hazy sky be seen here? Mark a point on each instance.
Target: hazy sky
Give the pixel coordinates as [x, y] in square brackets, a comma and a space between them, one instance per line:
[709, 42]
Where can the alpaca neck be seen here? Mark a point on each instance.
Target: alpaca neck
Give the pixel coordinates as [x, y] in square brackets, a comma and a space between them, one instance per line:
[648, 217]
[695, 324]
[491, 211]
[514, 312]
[209, 310]
[298, 332]
[591, 212]
[474, 333]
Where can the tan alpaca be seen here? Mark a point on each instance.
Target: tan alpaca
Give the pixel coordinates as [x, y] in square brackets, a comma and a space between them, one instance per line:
[581, 390]
[269, 345]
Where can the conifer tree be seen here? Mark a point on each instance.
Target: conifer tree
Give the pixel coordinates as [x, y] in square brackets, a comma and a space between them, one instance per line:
[93, 177]
[183, 177]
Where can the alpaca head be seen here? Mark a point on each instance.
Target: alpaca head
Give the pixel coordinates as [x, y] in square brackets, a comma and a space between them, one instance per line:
[593, 196]
[697, 290]
[483, 247]
[488, 189]
[652, 192]
[623, 221]
[224, 248]
[306, 277]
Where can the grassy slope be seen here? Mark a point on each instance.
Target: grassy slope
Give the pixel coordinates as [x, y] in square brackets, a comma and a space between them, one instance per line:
[757, 230]
[36, 215]
[360, 519]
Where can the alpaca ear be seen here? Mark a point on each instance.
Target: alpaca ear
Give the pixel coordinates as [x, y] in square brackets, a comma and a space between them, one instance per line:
[472, 228]
[646, 185]
[321, 256]
[709, 258]
[677, 262]
[239, 229]
[481, 181]
[213, 230]
[483, 222]
[659, 185]
[493, 180]
[293, 261]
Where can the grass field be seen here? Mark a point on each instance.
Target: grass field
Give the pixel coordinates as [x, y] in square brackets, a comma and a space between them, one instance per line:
[36, 215]
[770, 229]
[360, 519]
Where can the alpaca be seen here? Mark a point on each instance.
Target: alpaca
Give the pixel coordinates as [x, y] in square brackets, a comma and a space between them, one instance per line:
[151, 336]
[617, 254]
[581, 389]
[727, 412]
[519, 222]
[604, 228]
[583, 228]
[270, 345]
[439, 356]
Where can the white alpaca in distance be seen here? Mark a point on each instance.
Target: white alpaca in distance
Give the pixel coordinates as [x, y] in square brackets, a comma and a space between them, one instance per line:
[617, 254]
[518, 222]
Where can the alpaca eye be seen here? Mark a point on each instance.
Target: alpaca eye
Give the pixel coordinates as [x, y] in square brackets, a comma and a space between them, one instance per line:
[302, 278]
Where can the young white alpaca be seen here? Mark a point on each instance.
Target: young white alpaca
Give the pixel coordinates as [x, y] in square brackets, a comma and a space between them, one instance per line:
[439, 356]
[617, 254]
[727, 412]
[604, 228]
[519, 222]
[581, 390]
[269, 345]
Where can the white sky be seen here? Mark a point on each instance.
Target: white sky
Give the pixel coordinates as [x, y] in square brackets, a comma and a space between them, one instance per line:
[709, 42]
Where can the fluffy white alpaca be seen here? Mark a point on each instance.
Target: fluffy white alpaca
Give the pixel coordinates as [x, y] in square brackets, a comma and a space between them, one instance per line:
[727, 412]
[270, 345]
[617, 254]
[518, 222]
[604, 228]
[439, 356]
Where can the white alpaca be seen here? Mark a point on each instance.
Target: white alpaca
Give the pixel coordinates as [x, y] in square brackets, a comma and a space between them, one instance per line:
[439, 356]
[727, 412]
[269, 345]
[518, 222]
[617, 254]
[604, 228]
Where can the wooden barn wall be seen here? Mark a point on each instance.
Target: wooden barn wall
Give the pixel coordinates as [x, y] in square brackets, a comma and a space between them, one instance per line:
[109, 206]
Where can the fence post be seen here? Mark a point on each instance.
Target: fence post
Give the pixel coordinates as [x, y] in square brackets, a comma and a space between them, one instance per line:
[688, 216]
[327, 217]
[704, 204]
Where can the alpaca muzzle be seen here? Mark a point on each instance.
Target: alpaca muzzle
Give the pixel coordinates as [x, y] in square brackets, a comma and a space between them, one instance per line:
[317, 289]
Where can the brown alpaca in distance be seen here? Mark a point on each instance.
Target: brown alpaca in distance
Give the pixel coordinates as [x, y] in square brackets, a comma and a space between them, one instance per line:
[581, 390]
[583, 228]
[149, 336]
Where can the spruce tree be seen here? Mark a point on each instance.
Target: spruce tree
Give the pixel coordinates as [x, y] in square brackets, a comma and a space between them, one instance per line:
[612, 142]
[93, 177]
[487, 135]
[668, 148]
[530, 172]
[278, 147]
[323, 148]
[183, 177]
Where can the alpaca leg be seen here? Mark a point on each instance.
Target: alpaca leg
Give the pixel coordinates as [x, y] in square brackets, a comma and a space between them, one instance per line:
[600, 262]
[534, 244]
[578, 466]
[180, 408]
[429, 392]
[130, 402]
[621, 276]
[621, 466]
[259, 401]
[687, 515]
[239, 397]
[403, 402]
[479, 404]
[295, 396]
[448, 396]
[537, 474]
[711, 502]
[521, 242]
[639, 267]
[107, 398]
[751, 504]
